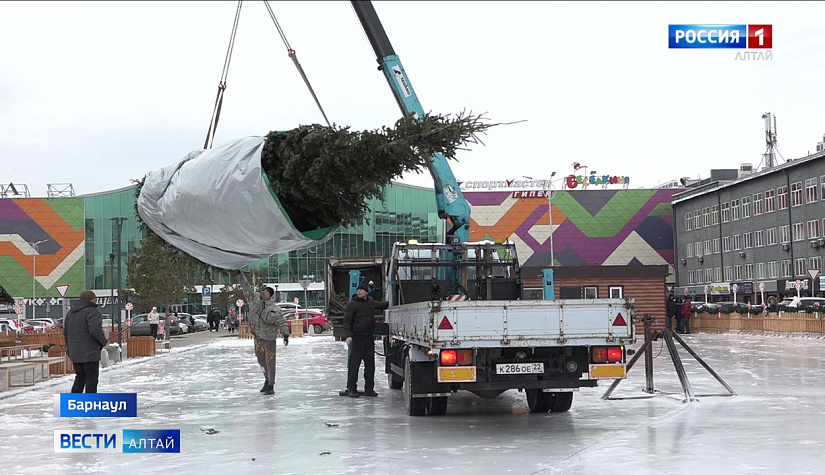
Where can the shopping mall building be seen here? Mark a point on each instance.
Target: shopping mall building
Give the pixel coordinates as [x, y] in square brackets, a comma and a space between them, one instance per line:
[606, 242]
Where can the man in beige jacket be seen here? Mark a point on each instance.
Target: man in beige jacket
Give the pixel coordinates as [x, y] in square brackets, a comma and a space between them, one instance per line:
[265, 320]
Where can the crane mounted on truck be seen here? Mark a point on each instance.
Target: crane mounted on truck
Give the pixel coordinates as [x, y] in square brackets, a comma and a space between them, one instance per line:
[456, 320]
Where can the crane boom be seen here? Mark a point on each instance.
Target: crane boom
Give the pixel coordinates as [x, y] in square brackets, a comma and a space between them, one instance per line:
[450, 200]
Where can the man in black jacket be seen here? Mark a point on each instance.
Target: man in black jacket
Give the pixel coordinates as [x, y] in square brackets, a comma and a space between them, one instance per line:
[83, 331]
[359, 325]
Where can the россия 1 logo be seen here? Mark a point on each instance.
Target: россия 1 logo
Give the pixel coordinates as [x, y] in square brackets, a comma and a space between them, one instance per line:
[720, 36]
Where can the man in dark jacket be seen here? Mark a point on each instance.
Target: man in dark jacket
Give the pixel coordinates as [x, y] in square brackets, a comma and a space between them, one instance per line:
[83, 331]
[359, 325]
[671, 310]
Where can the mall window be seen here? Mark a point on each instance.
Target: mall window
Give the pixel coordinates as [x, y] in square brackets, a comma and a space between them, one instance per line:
[760, 270]
[798, 232]
[801, 270]
[771, 235]
[810, 190]
[787, 270]
[773, 269]
[813, 229]
[782, 197]
[725, 212]
[796, 194]
[758, 207]
[759, 238]
[616, 291]
[746, 207]
[714, 214]
[706, 217]
[716, 245]
[734, 210]
[689, 221]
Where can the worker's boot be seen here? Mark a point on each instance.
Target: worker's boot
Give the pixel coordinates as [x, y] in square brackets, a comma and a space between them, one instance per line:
[269, 389]
[266, 385]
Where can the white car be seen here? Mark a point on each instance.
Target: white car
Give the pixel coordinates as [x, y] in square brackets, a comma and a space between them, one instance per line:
[795, 302]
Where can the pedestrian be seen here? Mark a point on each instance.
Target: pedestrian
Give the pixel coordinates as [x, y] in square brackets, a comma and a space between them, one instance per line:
[83, 332]
[216, 320]
[161, 329]
[686, 311]
[359, 326]
[231, 323]
[265, 320]
[671, 310]
[154, 318]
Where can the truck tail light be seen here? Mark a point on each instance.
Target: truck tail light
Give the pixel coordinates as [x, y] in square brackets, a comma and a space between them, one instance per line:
[448, 357]
[459, 357]
[606, 354]
[465, 357]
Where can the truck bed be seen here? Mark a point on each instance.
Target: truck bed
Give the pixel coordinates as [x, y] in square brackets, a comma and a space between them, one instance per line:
[514, 323]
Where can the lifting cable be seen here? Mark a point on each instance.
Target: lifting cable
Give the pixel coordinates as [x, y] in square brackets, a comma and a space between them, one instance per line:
[216, 110]
[294, 56]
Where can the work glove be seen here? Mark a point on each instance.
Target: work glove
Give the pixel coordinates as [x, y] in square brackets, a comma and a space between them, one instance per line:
[349, 341]
[286, 340]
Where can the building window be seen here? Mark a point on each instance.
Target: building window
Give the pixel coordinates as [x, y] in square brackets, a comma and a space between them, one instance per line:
[688, 221]
[798, 232]
[759, 238]
[773, 269]
[782, 197]
[725, 212]
[784, 234]
[728, 273]
[810, 190]
[737, 242]
[735, 211]
[726, 244]
[822, 186]
[747, 240]
[616, 291]
[716, 245]
[748, 271]
[760, 270]
[737, 272]
[787, 270]
[714, 212]
[800, 266]
[699, 276]
[813, 229]
[591, 292]
[796, 194]
[717, 274]
[690, 277]
[697, 219]
[707, 248]
[690, 249]
[708, 275]
[771, 236]
[706, 217]
[746, 207]
[815, 263]
[770, 201]
[758, 207]
[698, 246]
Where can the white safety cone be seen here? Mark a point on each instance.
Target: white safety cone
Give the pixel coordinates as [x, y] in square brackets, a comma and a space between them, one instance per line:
[310, 330]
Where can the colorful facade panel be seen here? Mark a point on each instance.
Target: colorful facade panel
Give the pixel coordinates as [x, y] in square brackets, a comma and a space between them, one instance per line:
[590, 227]
[41, 245]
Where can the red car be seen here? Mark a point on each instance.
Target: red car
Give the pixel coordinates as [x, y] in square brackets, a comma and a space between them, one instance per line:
[317, 319]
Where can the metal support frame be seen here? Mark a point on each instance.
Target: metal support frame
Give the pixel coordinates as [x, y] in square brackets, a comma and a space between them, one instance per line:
[119, 222]
[647, 351]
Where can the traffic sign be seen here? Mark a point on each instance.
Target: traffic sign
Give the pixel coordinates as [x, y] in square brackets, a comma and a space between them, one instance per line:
[208, 301]
[813, 273]
[206, 291]
[239, 302]
[62, 289]
[305, 283]
[129, 306]
[798, 284]
[21, 302]
[18, 310]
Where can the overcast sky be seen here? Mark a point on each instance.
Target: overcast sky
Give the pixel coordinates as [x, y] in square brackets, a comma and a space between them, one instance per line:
[98, 93]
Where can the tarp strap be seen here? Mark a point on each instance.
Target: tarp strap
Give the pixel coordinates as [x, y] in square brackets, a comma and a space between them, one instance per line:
[216, 110]
[294, 56]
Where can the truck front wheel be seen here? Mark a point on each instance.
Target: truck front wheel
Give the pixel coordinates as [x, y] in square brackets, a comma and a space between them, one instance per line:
[416, 406]
[538, 400]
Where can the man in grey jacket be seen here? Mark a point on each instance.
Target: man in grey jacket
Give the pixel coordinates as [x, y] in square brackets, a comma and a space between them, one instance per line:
[265, 319]
[83, 332]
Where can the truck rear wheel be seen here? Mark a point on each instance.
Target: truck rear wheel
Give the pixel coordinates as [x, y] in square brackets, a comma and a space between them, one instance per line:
[539, 401]
[416, 406]
[395, 381]
[437, 406]
[561, 402]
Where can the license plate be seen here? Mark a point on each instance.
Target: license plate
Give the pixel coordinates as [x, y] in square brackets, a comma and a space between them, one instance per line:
[520, 368]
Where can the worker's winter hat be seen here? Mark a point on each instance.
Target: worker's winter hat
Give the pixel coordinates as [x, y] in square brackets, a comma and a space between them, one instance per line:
[88, 295]
[362, 286]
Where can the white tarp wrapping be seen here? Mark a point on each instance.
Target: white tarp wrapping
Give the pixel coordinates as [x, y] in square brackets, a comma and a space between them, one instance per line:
[215, 205]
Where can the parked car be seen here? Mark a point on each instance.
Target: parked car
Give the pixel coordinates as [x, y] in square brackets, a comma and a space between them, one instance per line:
[796, 302]
[41, 325]
[289, 306]
[201, 324]
[317, 319]
[50, 321]
[740, 307]
[140, 325]
[711, 306]
[17, 325]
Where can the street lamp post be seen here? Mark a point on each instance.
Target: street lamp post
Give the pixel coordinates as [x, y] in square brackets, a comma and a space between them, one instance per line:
[547, 274]
[35, 252]
[119, 222]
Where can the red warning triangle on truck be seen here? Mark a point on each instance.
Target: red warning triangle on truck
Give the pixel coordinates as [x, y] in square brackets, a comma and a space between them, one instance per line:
[619, 321]
[445, 324]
